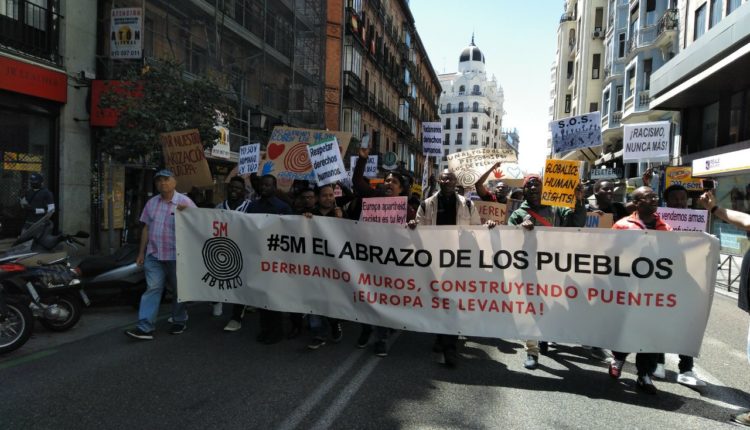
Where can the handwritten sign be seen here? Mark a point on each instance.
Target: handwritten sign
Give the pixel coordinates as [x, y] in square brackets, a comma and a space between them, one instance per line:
[184, 156]
[494, 211]
[682, 175]
[646, 142]
[561, 177]
[470, 165]
[221, 147]
[384, 210]
[327, 163]
[575, 132]
[249, 158]
[594, 220]
[371, 169]
[684, 219]
[432, 139]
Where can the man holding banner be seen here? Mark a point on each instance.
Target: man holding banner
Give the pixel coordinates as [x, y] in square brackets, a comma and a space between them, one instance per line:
[533, 213]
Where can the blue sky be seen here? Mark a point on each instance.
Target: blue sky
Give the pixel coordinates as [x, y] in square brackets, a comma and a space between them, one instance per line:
[518, 39]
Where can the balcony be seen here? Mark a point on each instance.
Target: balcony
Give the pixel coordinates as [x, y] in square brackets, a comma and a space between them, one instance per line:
[474, 142]
[458, 142]
[476, 93]
[645, 37]
[567, 17]
[475, 126]
[644, 98]
[667, 28]
[615, 119]
[629, 103]
[31, 29]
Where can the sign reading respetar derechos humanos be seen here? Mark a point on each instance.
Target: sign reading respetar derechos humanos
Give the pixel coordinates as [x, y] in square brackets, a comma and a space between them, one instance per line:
[502, 283]
[432, 139]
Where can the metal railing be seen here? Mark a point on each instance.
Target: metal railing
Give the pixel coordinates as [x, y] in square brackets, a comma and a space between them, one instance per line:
[32, 29]
[644, 98]
[668, 21]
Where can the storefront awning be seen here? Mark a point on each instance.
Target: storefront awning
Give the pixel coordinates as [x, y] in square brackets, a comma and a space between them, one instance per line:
[729, 163]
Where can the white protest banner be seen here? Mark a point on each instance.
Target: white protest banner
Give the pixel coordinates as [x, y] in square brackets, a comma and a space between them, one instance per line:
[384, 210]
[575, 132]
[684, 219]
[470, 165]
[126, 33]
[371, 169]
[607, 290]
[647, 141]
[221, 146]
[494, 211]
[432, 139]
[328, 166]
[249, 158]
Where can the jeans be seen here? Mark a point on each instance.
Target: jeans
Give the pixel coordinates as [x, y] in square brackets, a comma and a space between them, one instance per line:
[319, 325]
[645, 362]
[686, 362]
[158, 274]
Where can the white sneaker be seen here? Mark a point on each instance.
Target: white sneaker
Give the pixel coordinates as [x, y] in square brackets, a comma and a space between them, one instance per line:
[233, 325]
[659, 373]
[690, 379]
[217, 309]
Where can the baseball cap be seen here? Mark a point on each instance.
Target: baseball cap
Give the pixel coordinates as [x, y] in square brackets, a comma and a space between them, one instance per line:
[164, 172]
[36, 178]
[529, 177]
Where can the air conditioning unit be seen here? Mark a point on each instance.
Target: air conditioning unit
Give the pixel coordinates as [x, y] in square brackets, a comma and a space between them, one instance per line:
[598, 34]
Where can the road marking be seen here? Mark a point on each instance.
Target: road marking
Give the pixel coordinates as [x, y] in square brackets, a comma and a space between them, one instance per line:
[27, 358]
[346, 395]
[725, 397]
[299, 414]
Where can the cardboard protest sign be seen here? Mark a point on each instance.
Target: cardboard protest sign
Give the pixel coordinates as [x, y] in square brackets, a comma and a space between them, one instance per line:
[432, 139]
[647, 141]
[249, 158]
[326, 161]
[594, 220]
[221, 147]
[684, 219]
[561, 177]
[582, 131]
[494, 211]
[384, 210]
[184, 156]
[470, 165]
[682, 175]
[371, 169]
[287, 157]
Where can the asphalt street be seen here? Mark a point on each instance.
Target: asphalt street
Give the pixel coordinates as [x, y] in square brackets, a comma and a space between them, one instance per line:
[95, 377]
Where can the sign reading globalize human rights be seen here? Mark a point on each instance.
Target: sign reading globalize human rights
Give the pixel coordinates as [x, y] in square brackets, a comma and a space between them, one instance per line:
[607, 290]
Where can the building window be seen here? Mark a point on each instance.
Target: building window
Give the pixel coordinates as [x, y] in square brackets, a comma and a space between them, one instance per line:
[618, 101]
[445, 154]
[715, 13]
[447, 123]
[352, 121]
[460, 123]
[593, 107]
[567, 103]
[461, 106]
[474, 123]
[475, 107]
[459, 139]
[699, 25]
[650, 12]
[352, 57]
[355, 4]
[620, 45]
[710, 126]
[647, 67]
[605, 103]
[595, 65]
[630, 82]
[476, 90]
[461, 90]
[732, 5]
[448, 108]
[474, 140]
[739, 117]
[598, 19]
[447, 139]
[570, 70]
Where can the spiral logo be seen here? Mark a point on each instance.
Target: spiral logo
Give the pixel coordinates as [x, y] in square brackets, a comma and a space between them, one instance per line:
[297, 159]
[467, 178]
[223, 260]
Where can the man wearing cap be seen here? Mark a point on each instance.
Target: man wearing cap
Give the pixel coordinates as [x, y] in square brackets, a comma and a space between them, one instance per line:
[157, 255]
[533, 213]
[37, 202]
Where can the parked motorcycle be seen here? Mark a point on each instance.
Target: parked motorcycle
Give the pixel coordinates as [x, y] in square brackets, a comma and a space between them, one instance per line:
[115, 276]
[16, 317]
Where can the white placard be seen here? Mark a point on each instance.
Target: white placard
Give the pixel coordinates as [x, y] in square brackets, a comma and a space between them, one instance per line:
[221, 146]
[249, 158]
[126, 33]
[327, 164]
[684, 219]
[371, 169]
[646, 142]
[432, 139]
[582, 131]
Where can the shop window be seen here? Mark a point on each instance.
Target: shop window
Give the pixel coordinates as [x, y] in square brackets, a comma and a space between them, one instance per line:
[710, 122]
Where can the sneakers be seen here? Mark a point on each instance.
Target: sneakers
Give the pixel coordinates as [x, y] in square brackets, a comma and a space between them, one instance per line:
[743, 418]
[139, 334]
[178, 328]
[690, 379]
[233, 325]
[316, 343]
[532, 362]
[615, 368]
[381, 348]
[217, 309]
[659, 373]
[450, 357]
[599, 354]
[646, 384]
[363, 339]
[337, 333]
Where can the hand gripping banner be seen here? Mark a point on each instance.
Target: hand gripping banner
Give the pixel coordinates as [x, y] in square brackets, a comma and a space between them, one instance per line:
[637, 291]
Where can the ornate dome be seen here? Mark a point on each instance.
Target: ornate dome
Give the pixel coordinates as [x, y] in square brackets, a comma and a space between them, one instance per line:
[471, 53]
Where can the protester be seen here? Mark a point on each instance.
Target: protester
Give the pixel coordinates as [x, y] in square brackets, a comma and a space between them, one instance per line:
[645, 217]
[676, 196]
[533, 213]
[36, 202]
[236, 201]
[603, 193]
[447, 207]
[157, 255]
[516, 194]
[305, 200]
[739, 220]
[327, 208]
[393, 185]
[501, 189]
